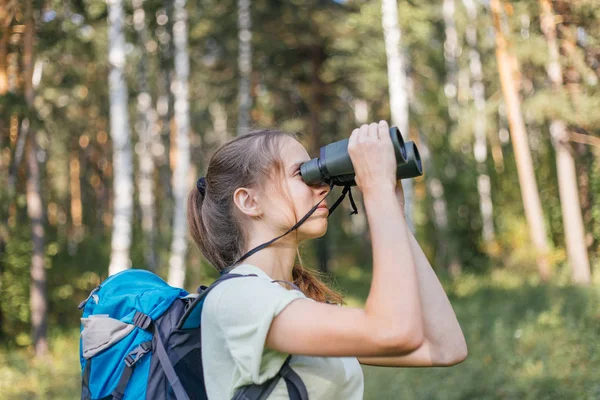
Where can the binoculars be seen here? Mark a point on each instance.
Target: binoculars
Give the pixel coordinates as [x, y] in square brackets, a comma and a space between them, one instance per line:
[335, 166]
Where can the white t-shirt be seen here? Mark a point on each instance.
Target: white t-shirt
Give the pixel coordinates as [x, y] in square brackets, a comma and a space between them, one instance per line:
[236, 318]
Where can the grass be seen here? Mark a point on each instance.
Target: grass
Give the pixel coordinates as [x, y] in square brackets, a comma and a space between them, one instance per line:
[526, 341]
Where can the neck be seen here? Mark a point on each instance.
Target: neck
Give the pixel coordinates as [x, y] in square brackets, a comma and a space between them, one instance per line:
[277, 259]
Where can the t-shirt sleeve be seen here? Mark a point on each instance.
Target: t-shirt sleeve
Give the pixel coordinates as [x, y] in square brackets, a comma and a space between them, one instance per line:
[245, 309]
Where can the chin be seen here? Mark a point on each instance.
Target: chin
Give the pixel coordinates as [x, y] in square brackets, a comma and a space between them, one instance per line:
[315, 230]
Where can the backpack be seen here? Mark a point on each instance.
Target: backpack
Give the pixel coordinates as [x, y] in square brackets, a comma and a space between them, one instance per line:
[140, 339]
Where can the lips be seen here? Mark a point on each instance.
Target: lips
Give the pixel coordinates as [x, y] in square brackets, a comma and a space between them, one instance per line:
[322, 206]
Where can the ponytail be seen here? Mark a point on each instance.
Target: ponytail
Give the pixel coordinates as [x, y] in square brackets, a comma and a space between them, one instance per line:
[195, 222]
[310, 284]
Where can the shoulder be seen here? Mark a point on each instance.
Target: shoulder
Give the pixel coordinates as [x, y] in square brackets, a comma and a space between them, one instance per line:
[248, 299]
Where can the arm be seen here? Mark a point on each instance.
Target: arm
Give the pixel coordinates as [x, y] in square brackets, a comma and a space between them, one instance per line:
[391, 322]
[444, 343]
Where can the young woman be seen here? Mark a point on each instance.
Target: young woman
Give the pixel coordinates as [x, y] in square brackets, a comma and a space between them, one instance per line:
[252, 193]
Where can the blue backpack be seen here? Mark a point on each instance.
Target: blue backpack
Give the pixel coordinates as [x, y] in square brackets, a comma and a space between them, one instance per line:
[140, 339]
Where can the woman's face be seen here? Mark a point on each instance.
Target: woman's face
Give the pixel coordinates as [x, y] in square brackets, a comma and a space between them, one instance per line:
[285, 209]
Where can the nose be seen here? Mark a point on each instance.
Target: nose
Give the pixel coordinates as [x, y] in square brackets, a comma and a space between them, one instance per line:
[323, 189]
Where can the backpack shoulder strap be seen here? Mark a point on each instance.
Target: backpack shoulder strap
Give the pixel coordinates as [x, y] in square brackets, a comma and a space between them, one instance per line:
[191, 318]
[295, 386]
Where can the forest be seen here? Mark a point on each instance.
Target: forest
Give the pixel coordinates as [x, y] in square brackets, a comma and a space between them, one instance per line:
[110, 111]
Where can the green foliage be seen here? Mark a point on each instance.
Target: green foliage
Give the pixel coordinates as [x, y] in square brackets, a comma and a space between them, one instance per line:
[525, 340]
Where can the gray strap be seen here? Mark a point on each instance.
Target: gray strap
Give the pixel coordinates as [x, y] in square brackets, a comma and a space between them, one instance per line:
[130, 362]
[295, 386]
[85, 384]
[167, 367]
[257, 392]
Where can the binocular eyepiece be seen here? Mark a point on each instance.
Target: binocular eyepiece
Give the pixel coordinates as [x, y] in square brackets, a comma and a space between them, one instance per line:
[334, 164]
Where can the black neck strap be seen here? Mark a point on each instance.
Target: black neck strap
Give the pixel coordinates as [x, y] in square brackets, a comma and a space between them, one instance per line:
[347, 189]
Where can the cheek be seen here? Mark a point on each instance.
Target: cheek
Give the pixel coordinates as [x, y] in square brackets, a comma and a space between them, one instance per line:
[303, 194]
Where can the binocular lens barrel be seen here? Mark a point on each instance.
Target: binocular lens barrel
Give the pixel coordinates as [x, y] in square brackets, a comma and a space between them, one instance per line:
[413, 166]
[335, 165]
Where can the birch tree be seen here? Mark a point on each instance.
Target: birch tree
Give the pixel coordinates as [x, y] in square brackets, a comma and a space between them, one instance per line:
[397, 88]
[565, 164]
[244, 65]
[528, 185]
[145, 128]
[182, 164]
[451, 49]
[119, 132]
[479, 125]
[35, 209]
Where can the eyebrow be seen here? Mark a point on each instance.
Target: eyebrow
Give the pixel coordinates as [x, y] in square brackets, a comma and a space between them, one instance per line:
[296, 165]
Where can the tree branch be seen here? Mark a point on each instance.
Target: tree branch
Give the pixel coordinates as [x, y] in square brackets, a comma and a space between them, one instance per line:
[585, 139]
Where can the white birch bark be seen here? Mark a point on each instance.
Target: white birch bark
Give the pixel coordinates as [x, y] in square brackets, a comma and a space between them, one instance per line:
[565, 163]
[146, 130]
[451, 51]
[398, 88]
[244, 65]
[180, 172]
[119, 132]
[479, 128]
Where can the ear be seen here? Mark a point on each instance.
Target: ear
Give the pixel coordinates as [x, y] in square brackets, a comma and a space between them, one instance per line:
[248, 202]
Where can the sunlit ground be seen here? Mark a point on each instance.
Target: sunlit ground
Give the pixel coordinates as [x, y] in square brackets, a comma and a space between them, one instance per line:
[526, 341]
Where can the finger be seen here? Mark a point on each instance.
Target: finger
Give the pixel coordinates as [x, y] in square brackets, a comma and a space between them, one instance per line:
[373, 131]
[384, 131]
[363, 133]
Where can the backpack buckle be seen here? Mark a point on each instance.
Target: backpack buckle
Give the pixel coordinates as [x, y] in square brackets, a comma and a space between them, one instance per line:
[142, 320]
[137, 353]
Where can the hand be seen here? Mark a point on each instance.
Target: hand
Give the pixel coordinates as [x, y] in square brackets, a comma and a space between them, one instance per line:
[373, 158]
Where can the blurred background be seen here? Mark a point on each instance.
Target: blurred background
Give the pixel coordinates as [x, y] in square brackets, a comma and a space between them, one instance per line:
[110, 111]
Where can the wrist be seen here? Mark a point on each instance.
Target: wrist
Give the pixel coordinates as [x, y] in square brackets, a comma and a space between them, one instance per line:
[377, 191]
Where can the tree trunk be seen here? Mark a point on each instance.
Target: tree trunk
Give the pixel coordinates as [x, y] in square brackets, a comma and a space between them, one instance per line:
[479, 126]
[76, 204]
[37, 289]
[529, 192]
[397, 88]
[244, 65]
[164, 108]
[145, 127]
[119, 132]
[38, 301]
[180, 172]
[565, 163]
[451, 49]
[5, 21]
